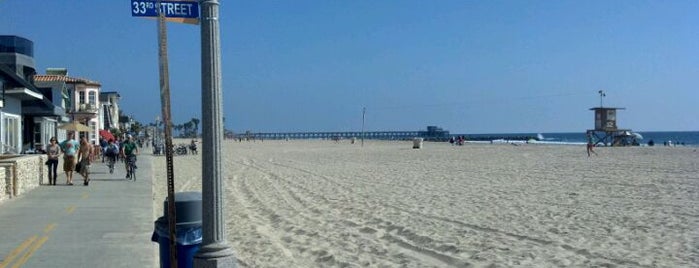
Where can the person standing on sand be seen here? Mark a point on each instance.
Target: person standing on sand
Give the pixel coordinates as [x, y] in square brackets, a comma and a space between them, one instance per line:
[85, 158]
[70, 149]
[52, 152]
[590, 145]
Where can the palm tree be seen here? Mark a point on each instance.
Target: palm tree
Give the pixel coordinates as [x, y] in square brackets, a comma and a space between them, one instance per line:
[116, 132]
[178, 128]
[196, 126]
[136, 127]
[188, 128]
[183, 130]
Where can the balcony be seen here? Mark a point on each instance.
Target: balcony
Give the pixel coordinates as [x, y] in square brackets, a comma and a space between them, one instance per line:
[87, 108]
[85, 111]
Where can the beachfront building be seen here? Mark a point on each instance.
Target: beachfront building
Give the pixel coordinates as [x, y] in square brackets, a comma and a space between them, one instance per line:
[81, 99]
[28, 116]
[109, 109]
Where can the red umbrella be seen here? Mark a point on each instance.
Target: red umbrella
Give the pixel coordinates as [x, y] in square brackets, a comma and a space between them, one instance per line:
[106, 134]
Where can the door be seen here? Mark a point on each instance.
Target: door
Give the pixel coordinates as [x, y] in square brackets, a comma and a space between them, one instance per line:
[10, 133]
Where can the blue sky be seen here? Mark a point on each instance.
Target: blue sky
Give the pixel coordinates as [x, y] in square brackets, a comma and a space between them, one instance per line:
[466, 66]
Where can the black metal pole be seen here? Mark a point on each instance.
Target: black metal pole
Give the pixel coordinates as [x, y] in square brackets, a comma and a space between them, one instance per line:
[167, 127]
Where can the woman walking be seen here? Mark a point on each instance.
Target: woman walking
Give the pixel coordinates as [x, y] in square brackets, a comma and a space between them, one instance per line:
[53, 151]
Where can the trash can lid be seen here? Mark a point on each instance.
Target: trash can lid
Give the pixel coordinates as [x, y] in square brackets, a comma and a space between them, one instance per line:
[187, 207]
[185, 233]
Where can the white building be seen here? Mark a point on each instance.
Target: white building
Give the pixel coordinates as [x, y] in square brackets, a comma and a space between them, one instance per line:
[84, 104]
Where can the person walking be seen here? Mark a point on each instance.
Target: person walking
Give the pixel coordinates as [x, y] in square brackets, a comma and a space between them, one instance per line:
[70, 150]
[120, 142]
[103, 145]
[111, 152]
[590, 145]
[85, 158]
[52, 152]
[129, 150]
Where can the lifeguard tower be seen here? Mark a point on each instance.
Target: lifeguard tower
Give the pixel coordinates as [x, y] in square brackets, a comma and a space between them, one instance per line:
[606, 131]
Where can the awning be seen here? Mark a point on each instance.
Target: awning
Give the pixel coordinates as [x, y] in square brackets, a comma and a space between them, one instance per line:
[23, 90]
[39, 108]
[106, 135]
[23, 94]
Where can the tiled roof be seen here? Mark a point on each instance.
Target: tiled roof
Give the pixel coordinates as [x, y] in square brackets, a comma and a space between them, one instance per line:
[63, 78]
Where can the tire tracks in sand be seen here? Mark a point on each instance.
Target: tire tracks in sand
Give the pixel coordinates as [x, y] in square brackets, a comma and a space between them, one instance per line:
[395, 235]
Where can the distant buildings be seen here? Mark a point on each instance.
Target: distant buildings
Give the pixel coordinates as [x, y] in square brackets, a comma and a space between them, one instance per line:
[32, 106]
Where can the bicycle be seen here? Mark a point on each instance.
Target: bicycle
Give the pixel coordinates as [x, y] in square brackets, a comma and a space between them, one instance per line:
[131, 167]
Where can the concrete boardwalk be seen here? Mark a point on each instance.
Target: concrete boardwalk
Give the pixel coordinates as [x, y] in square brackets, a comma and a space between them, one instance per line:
[106, 224]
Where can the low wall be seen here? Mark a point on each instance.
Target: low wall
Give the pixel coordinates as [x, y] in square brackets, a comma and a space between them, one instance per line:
[21, 174]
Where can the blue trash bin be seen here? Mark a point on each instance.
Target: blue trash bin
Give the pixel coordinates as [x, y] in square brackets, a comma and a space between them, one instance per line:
[188, 230]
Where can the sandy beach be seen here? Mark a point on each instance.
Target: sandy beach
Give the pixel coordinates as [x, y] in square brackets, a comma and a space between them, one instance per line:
[327, 204]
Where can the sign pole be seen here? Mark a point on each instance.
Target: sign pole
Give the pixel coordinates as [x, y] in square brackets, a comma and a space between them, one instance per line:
[167, 129]
[215, 250]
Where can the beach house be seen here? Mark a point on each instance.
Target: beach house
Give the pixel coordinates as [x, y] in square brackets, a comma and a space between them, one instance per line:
[28, 114]
[79, 96]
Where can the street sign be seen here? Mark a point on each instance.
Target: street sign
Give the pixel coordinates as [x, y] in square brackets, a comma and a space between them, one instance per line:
[172, 9]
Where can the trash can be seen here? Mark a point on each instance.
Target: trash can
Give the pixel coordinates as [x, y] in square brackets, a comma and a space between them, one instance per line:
[417, 143]
[188, 230]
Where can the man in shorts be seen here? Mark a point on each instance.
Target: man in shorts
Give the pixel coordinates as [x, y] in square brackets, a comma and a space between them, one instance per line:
[70, 149]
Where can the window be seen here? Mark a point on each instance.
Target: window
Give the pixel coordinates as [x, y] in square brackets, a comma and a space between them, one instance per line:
[49, 130]
[37, 133]
[16, 44]
[10, 134]
[92, 139]
[92, 98]
[81, 97]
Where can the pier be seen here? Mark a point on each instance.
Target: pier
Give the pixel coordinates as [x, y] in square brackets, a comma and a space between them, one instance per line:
[432, 133]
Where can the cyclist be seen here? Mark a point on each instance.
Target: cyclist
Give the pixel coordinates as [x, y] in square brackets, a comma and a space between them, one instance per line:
[129, 150]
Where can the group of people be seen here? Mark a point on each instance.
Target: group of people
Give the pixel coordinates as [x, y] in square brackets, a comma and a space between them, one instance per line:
[78, 156]
[457, 141]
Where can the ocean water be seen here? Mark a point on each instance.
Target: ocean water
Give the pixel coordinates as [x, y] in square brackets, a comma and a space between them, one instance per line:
[688, 138]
